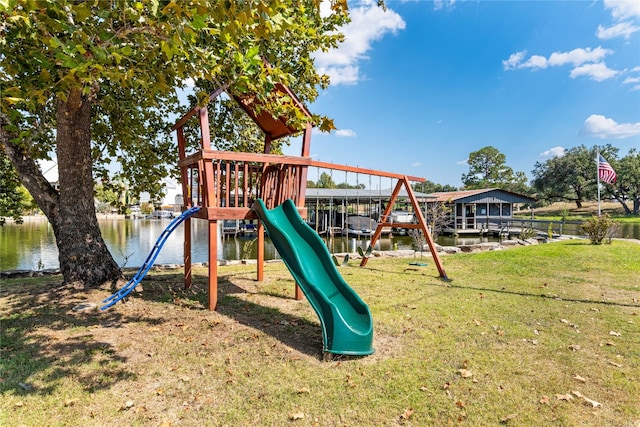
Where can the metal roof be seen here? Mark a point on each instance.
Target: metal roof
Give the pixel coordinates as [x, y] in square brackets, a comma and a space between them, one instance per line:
[485, 195]
[359, 193]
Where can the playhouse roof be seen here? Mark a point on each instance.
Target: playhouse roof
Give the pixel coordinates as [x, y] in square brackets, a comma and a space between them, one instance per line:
[275, 127]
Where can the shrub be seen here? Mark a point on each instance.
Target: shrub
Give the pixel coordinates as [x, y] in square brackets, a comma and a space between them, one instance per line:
[599, 228]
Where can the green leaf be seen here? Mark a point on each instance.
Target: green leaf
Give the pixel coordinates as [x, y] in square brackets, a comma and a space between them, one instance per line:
[198, 22]
[82, 12]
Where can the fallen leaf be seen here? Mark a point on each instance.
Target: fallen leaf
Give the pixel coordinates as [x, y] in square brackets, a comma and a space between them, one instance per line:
[617, 365]
[574, 347]
[460, 404]
[477, 322]
[614, 333]
[544, 400]
[465, 373]
[564, 396]
[588, 401]
[304, 390]
[408, 412]
[579, 378]
[296, 416]
[592, 402]
[508, 417]
[70, 402]
[127, 405]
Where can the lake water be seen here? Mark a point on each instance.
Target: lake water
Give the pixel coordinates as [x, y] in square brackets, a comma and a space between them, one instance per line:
[31, 246]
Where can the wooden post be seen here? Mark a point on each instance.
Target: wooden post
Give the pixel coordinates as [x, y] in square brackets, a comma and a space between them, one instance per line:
[260, 257]
[187, 253]
[425, 230]
[213, 264]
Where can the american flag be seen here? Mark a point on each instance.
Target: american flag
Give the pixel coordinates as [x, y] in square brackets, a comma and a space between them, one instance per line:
[605, 171]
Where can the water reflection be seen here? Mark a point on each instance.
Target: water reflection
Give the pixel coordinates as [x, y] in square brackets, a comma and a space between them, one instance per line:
[32, 245]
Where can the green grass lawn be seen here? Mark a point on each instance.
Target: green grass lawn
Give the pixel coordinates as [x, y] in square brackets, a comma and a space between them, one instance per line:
[533, 336]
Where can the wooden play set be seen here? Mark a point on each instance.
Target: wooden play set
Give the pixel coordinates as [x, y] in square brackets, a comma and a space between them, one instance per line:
[225, 184]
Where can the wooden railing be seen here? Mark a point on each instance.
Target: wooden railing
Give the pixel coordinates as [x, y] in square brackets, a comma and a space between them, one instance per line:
[225, 184]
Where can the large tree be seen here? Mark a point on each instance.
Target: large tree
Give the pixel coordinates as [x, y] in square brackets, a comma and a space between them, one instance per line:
[572, 176]
[90, 82]
[627, 186]
[488, 169]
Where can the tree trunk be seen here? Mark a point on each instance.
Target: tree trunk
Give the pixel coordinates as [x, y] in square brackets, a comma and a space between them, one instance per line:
[616, 196]
[84, 257]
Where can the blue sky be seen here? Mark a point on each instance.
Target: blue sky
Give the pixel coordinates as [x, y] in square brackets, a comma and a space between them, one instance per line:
[418, 87]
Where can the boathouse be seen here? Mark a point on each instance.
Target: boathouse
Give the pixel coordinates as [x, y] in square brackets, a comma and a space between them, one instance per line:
[329, 208]
[479, 211]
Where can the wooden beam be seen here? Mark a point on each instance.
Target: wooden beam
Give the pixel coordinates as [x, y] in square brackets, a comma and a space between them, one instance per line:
[184, 119]
[187, 253]
[213, 265]
[364, 171]
[425, 230]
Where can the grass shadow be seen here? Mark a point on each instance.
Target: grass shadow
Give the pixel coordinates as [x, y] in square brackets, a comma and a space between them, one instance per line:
[293, 331]
[43, 337]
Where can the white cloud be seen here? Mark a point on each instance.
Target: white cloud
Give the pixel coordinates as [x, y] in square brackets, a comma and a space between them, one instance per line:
[552, 152]
[369, 23]
[416, 164]
[514, 60]
[579, 56]
[597, 72]
[623, 29]
[602, 127]
[623, 9]
[586, 62]
[575, 57]
[633, 79]
[346, 133]
[462, 162]
[441, 4]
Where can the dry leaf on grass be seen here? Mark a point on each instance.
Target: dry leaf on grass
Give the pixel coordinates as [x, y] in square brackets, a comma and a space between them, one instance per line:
[465, 373]
[70, 402]
[588, 401]
[544, 400]
[296, 416]
[567, 396]
[579, 378]
[408, 412]
[508, 417]
[614, 333]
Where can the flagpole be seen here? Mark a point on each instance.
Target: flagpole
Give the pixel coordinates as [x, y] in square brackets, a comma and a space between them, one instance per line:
[598, 176]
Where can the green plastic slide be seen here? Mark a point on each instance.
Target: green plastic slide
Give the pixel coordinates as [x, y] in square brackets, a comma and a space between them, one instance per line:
[347, 326]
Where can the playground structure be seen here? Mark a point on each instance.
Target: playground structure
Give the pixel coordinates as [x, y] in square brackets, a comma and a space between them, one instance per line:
[226, 184]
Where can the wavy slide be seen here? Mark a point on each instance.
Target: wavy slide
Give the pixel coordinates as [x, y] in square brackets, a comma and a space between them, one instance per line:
[347, 326]
[126, 289]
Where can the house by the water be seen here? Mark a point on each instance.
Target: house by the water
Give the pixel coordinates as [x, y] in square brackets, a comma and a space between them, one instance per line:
[481, 211]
